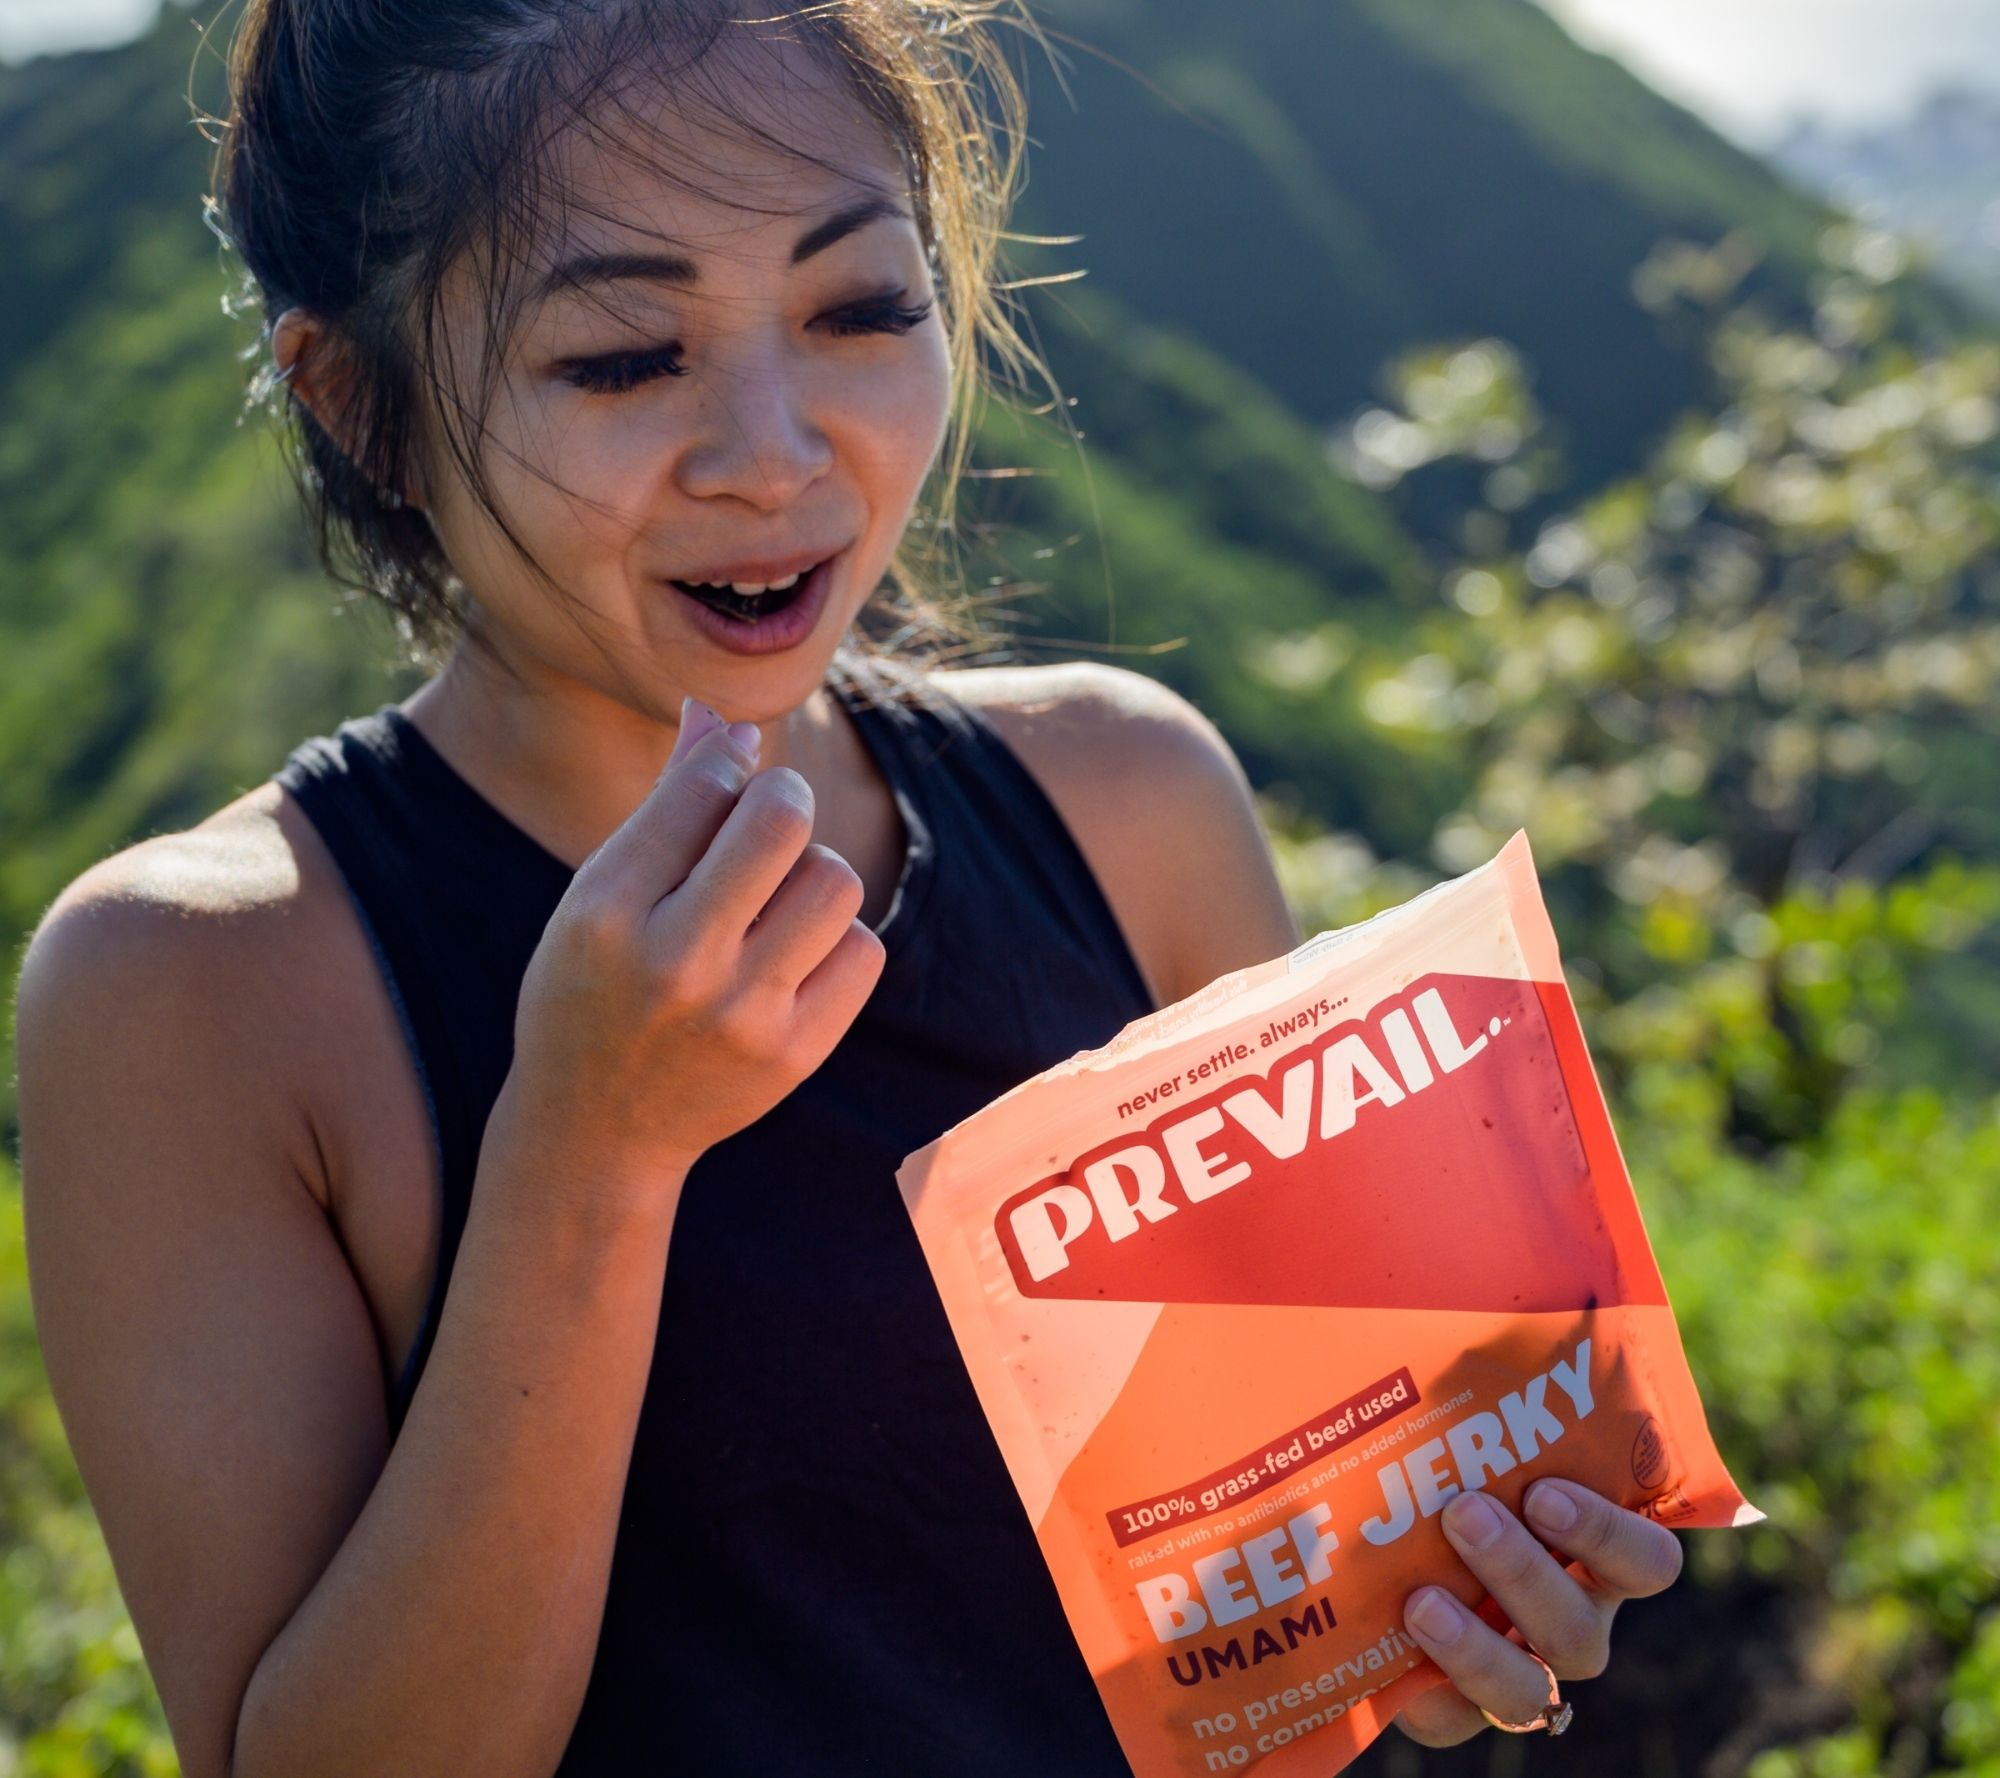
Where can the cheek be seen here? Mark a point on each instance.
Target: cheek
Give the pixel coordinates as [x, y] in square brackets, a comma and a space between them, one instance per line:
[899, 416]
[568, 487]
[574, 475]
[607, 462]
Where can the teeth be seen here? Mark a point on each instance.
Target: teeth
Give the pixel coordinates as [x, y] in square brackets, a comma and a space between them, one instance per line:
[749, 587]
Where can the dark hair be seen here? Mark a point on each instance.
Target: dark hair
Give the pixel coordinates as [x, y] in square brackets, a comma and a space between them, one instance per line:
[368, 146]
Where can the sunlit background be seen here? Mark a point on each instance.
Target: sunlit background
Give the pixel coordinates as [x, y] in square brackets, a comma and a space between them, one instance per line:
[1752, 67]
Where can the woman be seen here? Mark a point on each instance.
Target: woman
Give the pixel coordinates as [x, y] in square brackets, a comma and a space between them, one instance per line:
[460, 1171]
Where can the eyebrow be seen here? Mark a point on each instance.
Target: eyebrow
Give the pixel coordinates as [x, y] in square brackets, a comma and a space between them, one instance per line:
[666, 268]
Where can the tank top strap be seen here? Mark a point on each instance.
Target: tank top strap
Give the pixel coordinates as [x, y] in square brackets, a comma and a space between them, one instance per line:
[453, 899]
[1009, 867]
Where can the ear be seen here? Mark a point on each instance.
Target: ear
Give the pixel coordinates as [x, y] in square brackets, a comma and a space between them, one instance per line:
[312, 358]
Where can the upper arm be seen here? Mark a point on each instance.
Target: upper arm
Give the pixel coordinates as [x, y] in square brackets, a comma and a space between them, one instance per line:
[208, 1347]
[1191, 840]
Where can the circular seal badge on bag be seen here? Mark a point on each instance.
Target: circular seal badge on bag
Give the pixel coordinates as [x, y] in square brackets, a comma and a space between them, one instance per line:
[1649, 1455]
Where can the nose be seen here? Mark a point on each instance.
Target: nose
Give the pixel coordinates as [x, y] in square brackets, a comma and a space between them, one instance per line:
[756, 435]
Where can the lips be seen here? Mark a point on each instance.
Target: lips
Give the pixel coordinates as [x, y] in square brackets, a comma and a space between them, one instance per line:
[766, 624]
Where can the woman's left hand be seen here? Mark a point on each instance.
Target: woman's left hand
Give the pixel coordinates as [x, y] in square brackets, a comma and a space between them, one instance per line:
[1564, 1617]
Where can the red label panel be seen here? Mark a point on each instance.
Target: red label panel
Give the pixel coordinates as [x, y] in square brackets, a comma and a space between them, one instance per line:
[1425, 1156]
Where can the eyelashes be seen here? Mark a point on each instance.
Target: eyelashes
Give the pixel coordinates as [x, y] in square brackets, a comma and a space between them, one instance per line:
[619, 372]
[626, 370]
[882, 316]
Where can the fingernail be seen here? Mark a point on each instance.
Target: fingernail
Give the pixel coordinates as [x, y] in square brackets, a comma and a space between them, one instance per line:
[748, 736]
[696, 720]
[1473, 1519]
[1436, 1617]
[1551, 1506]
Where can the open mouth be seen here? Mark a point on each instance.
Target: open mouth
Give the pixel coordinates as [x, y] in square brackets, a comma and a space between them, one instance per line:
[747, 608]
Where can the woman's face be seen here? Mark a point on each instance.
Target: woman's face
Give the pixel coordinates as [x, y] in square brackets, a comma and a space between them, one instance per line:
[804, 421]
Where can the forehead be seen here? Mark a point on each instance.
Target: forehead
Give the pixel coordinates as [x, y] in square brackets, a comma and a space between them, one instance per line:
[758, 130]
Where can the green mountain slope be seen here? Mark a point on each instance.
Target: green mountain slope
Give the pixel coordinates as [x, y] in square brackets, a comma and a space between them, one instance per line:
[1306, 188]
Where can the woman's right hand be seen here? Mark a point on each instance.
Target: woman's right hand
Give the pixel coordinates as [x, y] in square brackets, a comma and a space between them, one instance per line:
[703, 961]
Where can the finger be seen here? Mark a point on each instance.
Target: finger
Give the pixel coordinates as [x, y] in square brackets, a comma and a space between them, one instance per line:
[1559, 1620]
[1485, 1670]
[760, 841]
[841, 985]
[804, 917]
[649, 854]
[1441, 1717]
[1629, 1555]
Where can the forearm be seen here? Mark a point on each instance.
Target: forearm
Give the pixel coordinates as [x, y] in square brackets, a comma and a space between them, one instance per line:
[454, 1630]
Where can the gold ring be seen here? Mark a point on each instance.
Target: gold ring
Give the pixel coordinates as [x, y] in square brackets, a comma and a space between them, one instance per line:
[1553, 1716]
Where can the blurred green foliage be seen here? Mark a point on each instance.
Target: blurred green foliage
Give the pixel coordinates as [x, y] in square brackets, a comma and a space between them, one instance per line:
[76, 1700]
[1837, 1302]
[1744, 706]
[1744, 703]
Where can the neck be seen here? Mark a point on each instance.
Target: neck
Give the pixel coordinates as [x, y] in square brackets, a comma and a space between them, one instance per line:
[569, 763]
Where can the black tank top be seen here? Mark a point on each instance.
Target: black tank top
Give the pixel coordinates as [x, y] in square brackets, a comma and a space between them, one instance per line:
[821, 1564]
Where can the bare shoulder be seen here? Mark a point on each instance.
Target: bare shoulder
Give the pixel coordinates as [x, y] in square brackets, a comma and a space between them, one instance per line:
[172, 912]
[1099, 723]
[201, 939]
[1159, 805]
[1075, 690]
[229, 870]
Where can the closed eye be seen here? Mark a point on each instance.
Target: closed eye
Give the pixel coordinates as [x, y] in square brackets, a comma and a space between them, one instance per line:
[882, 315]
[617, 373]
[621, 371]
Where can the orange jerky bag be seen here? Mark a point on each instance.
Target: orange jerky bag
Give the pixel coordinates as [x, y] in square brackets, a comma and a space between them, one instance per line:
[1251, 1291]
